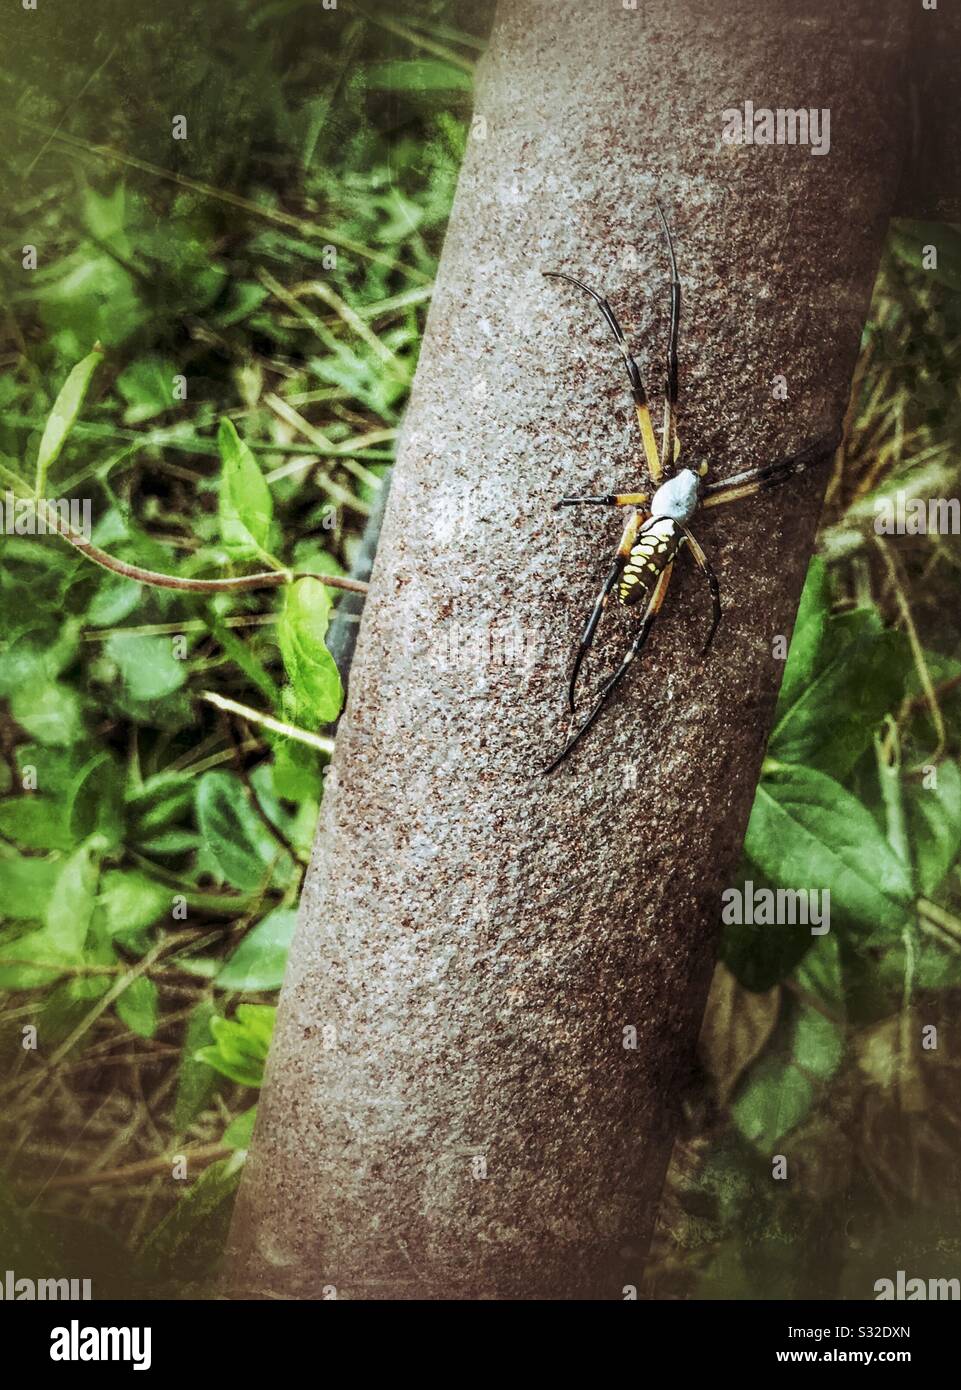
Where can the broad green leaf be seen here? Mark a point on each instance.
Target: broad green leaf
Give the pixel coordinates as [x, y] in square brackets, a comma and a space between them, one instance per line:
[17, 955]
[259, 961]
[772, 1101]
[258, 1020]
[148, 667]
[114, 600]
[761, 956]
[70, 908]
[245, 504]
[819, 975]
[95, 801]
[826, 719]
[807, 832]
[35, 658]
[63, 415]
[240, 1131]
[51, 714]
[147, 386]
[35, 822]
[130, 901]
[806, 641]
[137, 1007]
[236, 837]
[312, 670]
[817, 1043]
[935, 966]
[241, 1045]
[25, 886]
[297, 826]
[296, 771]
[934, 818]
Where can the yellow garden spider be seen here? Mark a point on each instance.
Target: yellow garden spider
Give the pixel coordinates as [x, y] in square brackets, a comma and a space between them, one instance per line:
[653, 538]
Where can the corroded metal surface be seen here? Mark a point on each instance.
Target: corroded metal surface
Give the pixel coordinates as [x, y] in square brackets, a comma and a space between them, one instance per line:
[451, 1110]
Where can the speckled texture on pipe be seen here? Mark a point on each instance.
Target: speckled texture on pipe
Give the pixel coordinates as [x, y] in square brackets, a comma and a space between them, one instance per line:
[451, 1110]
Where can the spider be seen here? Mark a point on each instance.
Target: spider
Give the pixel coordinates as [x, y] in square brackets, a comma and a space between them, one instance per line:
[657, 526]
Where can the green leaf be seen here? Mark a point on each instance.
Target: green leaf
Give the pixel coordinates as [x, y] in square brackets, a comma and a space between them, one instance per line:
[241, 1044]
[147, 387]
[95, 801]
[70, 909]
[817, 1043]
[259, 961]
[16, 955]
[258, 1021]
[51, 714]
[296, 771]
[417, 75]
[240, 1131]
[807, 832]
[63, 415]
[235, 835]
[196, 1082]
[772, 1101]
[245, 504]
[147, 665]
[137, 1007]
[820, 976]
[760, 956]
[114, 600]
[312, 670]
[828, 710]
[131, 901]
[813, 612]
[25, 886]
[35, 822]
[934, 817]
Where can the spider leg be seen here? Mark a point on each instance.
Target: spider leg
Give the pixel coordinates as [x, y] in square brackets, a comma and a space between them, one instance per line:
[609, 499]
[633, 372]
[607, 689]
[669, 434]
[587, 637]
[771, 475]
[704, 565]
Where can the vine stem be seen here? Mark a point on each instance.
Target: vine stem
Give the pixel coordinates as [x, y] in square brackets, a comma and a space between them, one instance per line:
[266, 579]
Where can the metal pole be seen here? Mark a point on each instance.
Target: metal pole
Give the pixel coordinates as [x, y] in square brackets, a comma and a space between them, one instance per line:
[498, 979]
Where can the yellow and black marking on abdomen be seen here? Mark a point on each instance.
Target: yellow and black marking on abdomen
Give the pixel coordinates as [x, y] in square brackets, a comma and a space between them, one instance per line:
[656, 546]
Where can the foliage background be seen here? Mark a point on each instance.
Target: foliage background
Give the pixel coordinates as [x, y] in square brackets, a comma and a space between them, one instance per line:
[281, 260]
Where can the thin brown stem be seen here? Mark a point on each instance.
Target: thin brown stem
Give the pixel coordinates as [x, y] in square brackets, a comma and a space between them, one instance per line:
[267, 579]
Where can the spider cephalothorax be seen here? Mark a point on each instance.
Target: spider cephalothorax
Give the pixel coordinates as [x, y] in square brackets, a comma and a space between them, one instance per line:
[657, 526]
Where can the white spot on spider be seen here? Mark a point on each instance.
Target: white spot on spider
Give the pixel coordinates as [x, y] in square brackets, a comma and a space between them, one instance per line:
[678, 497]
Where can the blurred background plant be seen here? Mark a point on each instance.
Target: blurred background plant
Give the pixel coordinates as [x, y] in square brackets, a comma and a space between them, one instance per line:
[260, 290]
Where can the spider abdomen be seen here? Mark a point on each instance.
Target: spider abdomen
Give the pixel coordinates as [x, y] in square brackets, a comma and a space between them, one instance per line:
[656, 546]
